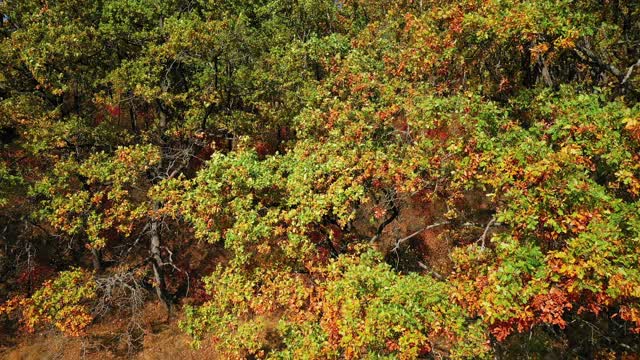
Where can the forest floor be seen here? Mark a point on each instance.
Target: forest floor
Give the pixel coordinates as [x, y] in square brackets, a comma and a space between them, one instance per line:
[161, 340]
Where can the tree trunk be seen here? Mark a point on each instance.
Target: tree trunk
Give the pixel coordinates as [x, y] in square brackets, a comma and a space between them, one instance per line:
[157, 264]
[156, 257]
[96, 259]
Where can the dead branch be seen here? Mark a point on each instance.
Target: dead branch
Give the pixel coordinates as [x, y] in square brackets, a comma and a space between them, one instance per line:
[629, 71]
[430, 271]
[400, 241]
[486, 231]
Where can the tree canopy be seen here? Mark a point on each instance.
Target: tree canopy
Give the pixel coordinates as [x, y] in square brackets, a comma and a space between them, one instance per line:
[319, 179]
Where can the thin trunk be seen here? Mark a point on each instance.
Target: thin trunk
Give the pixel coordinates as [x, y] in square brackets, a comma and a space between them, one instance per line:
[132, 118]
[96, 259]
[155, 243]
[157, 264]
[525, 63]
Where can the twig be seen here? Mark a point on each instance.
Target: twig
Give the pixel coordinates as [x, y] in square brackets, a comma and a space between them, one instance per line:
[395, 212]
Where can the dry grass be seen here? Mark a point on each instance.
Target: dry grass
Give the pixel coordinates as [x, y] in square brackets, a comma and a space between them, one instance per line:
[161, 340]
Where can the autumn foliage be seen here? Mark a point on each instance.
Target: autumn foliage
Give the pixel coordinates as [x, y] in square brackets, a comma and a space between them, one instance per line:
[326, 179]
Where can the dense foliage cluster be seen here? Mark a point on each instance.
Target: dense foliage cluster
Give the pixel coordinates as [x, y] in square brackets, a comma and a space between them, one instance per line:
[327, 178]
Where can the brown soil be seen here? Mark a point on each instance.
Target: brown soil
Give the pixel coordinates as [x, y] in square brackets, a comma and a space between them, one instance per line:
[430, 248]
[161, 340]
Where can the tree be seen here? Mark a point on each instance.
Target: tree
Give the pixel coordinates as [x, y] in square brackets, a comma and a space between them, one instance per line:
[385, 179]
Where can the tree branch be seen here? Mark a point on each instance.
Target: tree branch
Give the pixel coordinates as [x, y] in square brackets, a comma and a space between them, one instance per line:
[430, 270]
[400, 241]
[486, 231]
[629, 71]
[394, 215]
[598, 61]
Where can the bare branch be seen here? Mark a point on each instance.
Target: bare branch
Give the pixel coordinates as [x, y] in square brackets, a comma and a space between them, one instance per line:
[486, 231]
[122, 293]
[586, 51]
[430, 270]
[629, 71]
[400, 241]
